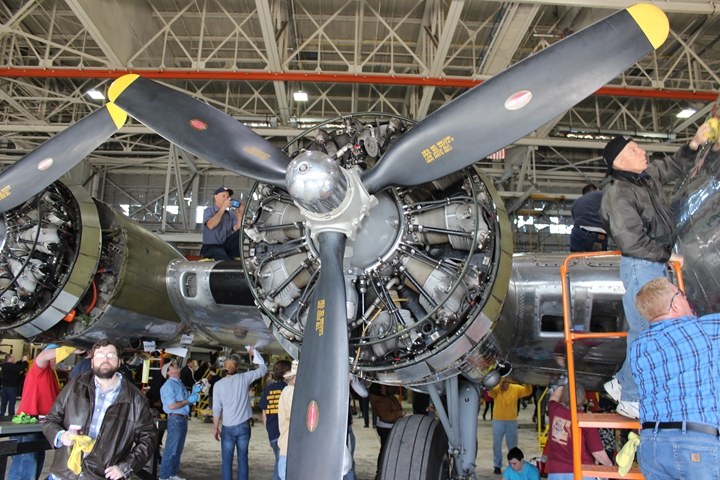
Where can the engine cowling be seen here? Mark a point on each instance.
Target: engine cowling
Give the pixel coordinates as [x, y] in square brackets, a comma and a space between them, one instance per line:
[76, 270]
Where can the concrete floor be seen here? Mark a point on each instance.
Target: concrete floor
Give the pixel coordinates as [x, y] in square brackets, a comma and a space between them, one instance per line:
[201, 458]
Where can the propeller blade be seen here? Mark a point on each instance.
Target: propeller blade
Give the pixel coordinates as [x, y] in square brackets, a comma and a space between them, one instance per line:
[200, 129]
[318, 421]
[51, 160]
[520, 99]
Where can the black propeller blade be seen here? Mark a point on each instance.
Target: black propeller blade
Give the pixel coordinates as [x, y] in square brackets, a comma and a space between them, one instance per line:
[200, 129]
[51, 160]
[520, 99]
[319, 416]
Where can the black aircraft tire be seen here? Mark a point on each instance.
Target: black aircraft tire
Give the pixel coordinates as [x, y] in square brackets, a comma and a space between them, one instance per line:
[416, 449]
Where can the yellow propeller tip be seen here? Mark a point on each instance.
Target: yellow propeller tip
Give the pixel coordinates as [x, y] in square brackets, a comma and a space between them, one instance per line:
[119, 85]
[117, 114]
[652, 21]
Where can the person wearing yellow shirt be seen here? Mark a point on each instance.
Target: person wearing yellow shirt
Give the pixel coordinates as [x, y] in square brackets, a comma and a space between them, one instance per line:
[504, 422]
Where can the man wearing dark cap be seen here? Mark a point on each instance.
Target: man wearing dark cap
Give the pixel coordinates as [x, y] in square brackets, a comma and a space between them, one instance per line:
[221, 229]
[637, 215]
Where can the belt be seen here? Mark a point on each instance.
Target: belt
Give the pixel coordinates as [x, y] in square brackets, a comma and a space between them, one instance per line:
[693, 427]
[176, 415]
[599, 234]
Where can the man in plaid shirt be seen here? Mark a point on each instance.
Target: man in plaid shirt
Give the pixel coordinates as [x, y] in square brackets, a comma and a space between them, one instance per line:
[675, 365]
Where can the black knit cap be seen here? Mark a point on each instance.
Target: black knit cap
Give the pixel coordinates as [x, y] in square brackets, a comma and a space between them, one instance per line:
[613, 149]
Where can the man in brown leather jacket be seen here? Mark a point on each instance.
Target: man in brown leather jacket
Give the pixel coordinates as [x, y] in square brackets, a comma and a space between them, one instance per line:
[108, 409]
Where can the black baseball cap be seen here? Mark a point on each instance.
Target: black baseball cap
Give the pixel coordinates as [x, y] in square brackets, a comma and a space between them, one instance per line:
[223, 189]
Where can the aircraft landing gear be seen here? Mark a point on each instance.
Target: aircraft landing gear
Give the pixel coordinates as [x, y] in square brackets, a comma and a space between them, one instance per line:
[417, 449]
[422, 448]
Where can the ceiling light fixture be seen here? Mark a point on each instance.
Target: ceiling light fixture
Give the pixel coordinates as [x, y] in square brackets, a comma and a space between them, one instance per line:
[687, 113]
[300, 96]
[96, 94]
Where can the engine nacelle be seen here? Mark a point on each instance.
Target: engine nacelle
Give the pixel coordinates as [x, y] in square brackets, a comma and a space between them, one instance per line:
[76, 270]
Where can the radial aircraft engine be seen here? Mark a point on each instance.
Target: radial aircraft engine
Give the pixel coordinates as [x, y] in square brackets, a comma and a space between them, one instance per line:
[395, 244]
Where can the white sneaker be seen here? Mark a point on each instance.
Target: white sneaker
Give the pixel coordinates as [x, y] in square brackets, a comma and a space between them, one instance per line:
[629, 409]
[613, 388]
[175, 477]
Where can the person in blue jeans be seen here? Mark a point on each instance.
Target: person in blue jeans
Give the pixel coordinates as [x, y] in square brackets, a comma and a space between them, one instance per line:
[675, 365]
[588, 234]
[231, 402]
[269, 405]
[176, 404]
[11, 372]
[636, 213]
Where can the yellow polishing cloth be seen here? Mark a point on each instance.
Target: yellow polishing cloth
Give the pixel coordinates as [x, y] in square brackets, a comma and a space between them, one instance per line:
[626, 456]
[83, 444]
[61, 353]
[714, 124]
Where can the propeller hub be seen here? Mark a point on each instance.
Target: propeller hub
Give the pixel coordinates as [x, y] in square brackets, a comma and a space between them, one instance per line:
[315, 182]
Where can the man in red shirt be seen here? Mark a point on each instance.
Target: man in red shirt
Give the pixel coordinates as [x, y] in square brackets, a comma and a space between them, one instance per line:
[39, 393]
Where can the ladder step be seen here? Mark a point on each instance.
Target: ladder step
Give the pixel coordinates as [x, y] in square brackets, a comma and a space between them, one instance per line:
[607, 420]
[603, 471]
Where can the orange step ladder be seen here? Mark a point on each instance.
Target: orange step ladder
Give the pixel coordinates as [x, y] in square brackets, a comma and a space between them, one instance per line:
[594, 420]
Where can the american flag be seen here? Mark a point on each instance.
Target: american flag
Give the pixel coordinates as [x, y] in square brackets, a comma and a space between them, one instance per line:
[499, 155]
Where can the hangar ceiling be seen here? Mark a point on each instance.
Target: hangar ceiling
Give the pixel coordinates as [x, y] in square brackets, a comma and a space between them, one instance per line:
[397, 57]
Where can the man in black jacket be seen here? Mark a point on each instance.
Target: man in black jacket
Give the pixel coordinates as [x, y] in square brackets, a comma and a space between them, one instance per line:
[110, 410]
[10, 382]
[637, 214]
[187, 375]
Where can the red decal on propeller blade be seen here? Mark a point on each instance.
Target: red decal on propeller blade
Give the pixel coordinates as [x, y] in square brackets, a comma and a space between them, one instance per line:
[198, 124]
[313, 415]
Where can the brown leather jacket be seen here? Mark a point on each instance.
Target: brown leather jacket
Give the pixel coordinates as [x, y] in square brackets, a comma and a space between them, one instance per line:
[127, 436]
[386, 407]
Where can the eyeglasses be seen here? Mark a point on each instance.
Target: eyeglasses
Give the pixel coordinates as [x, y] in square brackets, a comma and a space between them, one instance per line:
[109, 355]
[672, 300]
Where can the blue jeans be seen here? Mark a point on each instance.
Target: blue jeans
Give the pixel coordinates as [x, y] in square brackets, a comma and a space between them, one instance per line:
[276, 451]
[500, 429]
[565, 476]
[227, 251]
[27, 466]
[231, 437]
[351, 446]
[174, 444]
[585, 241]
[674, 454]
[282, 466]
[9, 395]
[635, 273]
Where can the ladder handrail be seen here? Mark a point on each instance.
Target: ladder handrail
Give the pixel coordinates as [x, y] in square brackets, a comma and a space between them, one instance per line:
[570, 336]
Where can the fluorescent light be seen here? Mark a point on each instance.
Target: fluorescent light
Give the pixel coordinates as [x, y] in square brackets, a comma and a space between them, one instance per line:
[687, 113]
[300, 96]
[96, 95]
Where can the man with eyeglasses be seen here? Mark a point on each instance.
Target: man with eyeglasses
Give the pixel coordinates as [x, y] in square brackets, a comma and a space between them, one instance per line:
[675, 365]
[108, 414]
[637, 215]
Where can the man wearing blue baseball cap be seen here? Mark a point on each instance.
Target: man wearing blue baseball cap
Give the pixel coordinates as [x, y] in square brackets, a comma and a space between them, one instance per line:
[221, 229]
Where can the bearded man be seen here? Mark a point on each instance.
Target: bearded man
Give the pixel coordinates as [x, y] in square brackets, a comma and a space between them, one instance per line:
[116, 429]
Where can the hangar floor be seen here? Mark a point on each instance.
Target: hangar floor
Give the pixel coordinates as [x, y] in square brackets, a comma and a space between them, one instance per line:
[201, 458]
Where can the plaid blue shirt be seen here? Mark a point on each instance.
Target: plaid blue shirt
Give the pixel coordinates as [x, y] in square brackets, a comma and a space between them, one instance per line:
[675, 365]
[102, 402]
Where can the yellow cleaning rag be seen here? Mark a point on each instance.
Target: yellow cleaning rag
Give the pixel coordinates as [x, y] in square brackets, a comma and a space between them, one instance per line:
[61, 353]
[83, 444]
[626, 456]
